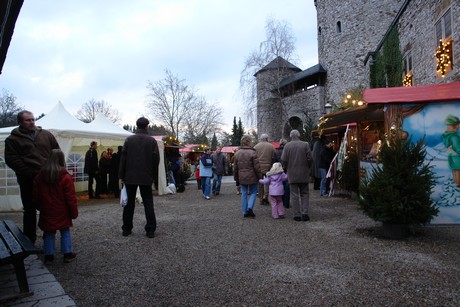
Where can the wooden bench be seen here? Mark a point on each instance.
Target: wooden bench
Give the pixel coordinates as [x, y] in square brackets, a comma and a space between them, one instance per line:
[14, 248]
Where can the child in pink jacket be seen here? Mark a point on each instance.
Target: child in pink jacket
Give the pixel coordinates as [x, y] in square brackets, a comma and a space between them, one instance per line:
[275, 178]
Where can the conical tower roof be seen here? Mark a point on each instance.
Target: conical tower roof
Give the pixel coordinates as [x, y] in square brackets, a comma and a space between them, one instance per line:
[278, 63]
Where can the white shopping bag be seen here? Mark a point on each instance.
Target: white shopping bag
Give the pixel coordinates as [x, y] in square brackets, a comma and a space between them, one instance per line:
[123, 196]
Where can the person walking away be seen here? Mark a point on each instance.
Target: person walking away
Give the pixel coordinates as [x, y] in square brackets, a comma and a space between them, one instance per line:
[26, 150]
[276, 178]
[315, 172]
[246, 172]
[206, 172]
[111, 179]
[278, 153]
[237, 184]
[92, 169]
[139, 168]
[104, 169]
[219, 165]
[114, 168]
[266, 154]
[55, 198]
[297, 159]
[325, 158]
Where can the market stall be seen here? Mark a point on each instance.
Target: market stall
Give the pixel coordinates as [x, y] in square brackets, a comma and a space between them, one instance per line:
[409, 112]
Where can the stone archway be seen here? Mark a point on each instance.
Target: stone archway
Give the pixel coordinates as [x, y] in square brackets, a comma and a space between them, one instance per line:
[293, 122]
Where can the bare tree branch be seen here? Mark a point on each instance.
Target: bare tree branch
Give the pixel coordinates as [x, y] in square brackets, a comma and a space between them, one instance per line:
[8, 109]
[170, 100]
[203, 119]
[89, 111]
[279, 42]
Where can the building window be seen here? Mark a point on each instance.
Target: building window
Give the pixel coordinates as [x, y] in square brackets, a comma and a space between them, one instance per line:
[319, 31]
[443, 54]
[407, 69]
[444, 27]
[339, 27]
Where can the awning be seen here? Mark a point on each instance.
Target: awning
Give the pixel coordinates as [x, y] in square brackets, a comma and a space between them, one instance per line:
[358, 114]
[422, 93]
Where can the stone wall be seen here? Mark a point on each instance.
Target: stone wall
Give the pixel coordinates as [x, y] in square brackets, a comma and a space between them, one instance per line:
[417, 36]
[342, 53]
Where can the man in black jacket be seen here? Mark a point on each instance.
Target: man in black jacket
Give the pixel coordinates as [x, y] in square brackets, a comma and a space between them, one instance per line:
[92, 169]
[139, 168]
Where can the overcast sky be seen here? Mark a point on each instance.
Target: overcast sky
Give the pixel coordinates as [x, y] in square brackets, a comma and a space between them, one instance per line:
[73, 51]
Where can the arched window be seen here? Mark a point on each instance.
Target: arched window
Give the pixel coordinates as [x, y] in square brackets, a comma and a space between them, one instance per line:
[339, 27]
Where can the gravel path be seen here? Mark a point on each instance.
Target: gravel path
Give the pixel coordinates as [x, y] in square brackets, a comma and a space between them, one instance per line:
[206, 254]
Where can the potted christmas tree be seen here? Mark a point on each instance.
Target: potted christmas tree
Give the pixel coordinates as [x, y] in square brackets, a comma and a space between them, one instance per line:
[397, 193]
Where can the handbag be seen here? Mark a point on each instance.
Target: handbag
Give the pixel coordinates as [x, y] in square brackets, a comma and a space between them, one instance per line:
[123, 196]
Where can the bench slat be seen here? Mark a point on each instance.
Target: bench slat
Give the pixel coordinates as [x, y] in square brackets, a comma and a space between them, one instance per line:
[4, 252]
[9, 240]
[28, 247]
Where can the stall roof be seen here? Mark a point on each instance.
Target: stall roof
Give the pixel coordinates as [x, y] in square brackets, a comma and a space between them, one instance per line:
[376, 98]
[364, 113]
[421, 93]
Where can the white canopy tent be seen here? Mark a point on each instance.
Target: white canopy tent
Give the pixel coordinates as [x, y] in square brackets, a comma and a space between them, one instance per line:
[74, 138]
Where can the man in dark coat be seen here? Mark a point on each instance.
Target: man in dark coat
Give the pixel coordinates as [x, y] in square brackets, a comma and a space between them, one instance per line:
[92, 169]
[325, 159]
[114, 168]
[138, 168]
[26, 150]
[297, 160]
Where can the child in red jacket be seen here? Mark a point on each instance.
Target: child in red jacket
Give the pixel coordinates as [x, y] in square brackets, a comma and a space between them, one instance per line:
[55, 197]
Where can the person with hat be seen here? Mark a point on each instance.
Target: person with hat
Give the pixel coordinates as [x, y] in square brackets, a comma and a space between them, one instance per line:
[451, 140]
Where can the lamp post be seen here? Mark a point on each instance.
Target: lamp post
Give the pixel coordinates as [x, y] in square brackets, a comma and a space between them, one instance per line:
[327, 108]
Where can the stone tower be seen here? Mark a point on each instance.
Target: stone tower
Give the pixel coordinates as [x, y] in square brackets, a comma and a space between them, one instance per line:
[347, 31]
[271, 112]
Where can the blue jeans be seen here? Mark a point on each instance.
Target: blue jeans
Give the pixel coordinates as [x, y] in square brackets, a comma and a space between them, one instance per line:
[245, 204]
[323, 185]
[206, 183]
[49, 242]
[216, 183]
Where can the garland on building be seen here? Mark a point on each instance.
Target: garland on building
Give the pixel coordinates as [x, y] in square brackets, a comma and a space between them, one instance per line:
[443, 55]
[352, 98]
[407, 80]
[171, 141]
[386, 69]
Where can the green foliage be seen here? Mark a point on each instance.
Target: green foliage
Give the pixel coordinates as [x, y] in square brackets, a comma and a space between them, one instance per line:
[214, 142]
[398, 191]
[237, 132]
[350, 175]
[307, 129]
[386, 69]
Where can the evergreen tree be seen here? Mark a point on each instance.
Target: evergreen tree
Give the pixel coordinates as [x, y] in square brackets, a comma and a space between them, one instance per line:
[240, 130]
[214, 142]
[235, 139]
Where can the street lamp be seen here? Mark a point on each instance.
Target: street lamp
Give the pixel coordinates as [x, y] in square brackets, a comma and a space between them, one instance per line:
[327, 108]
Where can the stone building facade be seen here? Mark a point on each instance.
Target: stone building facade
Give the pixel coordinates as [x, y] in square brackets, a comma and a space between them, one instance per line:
[350, 34]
